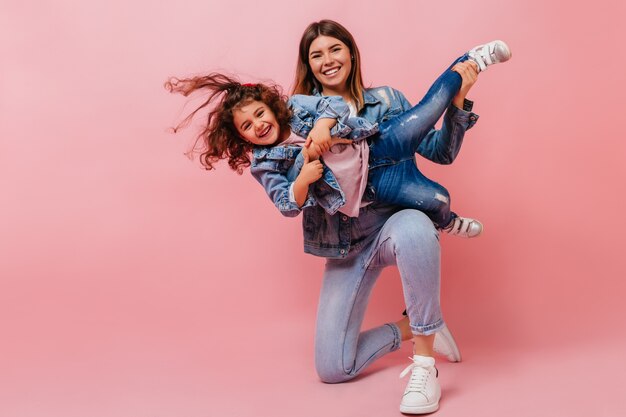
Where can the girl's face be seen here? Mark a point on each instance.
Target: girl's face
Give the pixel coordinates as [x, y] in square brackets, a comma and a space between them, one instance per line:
[256, 123]
[331, 62]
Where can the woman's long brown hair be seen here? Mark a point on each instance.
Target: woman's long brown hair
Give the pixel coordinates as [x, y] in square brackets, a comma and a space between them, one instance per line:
[305, 81]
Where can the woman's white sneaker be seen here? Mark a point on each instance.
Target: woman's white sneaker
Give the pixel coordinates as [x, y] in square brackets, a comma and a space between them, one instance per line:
[446, 345]
[490, 53]
[422, 392]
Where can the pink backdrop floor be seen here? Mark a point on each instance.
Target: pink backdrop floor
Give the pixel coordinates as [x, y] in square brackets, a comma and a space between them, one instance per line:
[134, 284]
[162, 375]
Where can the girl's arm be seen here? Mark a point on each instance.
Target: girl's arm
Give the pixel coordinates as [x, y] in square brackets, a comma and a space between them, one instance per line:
[311, 172]
[288, 189]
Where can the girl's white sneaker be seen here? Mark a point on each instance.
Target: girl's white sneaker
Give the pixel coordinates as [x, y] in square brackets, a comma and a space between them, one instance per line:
[490, 53]
[464, 227]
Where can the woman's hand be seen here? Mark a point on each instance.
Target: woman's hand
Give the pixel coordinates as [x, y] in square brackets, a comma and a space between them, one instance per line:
[340, 141]
[319, 138]
[312, 152]
[469, 73]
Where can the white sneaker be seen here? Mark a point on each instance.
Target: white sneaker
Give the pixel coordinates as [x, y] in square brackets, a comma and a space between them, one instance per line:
[464, 227]
[489, 54]
[422, 392]
[445, 345]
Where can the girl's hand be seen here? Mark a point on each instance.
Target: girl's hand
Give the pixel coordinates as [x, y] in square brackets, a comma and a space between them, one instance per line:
[311, 170]
[469, 73]
[309, 152]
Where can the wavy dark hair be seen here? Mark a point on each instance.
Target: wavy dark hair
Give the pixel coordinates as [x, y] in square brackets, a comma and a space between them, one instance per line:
[305, 82]
[219, 138]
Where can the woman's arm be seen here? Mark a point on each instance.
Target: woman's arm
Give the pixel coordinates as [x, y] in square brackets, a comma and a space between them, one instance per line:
[322, 118]
[319, 138]
[442, 146]
[469, 73]
[309, 109]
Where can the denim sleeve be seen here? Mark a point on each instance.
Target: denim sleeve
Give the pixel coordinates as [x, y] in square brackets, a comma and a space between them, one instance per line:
[307, 110]
[442, 146]
[277, 184]
[302, 119]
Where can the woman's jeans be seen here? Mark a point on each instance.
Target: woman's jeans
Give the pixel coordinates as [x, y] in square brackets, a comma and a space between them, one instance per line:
[393, 176]
[381, 236]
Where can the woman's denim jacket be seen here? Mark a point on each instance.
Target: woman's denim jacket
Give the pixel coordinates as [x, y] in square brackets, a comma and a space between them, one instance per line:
[327, 232]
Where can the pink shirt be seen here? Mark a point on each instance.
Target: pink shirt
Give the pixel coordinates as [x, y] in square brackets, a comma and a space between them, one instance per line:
[349, 165]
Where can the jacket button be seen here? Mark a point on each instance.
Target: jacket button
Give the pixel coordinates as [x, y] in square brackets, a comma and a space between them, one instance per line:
[344, 218]
[342, 251]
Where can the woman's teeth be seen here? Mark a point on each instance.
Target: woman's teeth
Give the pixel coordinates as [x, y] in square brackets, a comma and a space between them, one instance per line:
[331, 72]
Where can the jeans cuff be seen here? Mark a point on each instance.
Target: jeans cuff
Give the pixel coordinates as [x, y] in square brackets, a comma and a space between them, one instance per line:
[397, 338]
[428, 329]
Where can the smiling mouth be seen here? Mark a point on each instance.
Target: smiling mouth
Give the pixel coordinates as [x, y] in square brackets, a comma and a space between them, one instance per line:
[265, 132]
[331, 72]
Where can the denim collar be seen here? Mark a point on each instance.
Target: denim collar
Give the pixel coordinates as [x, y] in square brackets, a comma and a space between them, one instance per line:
[369, 98]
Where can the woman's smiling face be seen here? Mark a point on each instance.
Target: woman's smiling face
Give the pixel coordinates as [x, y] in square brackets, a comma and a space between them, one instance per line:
[331, 62]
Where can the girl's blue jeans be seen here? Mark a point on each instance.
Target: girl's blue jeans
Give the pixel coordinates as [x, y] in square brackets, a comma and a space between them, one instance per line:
[393, 175]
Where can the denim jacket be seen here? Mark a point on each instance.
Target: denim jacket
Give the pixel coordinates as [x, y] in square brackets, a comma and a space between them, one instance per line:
[326, 232]
[276, 167]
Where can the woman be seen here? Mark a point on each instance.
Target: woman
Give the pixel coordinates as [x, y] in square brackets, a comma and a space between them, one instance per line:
[359, 248]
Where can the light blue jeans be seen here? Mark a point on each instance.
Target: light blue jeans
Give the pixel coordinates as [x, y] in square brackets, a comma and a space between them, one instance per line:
[381, 236]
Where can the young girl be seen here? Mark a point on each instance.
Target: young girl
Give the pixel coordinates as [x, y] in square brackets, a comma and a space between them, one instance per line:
[256, 118]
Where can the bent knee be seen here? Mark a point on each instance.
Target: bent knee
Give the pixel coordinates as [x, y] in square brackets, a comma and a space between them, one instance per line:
[330, 374]
[441, 201]
[412, 224]
[329, 366]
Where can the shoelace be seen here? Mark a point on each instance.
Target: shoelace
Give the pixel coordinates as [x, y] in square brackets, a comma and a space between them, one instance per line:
[419, 375]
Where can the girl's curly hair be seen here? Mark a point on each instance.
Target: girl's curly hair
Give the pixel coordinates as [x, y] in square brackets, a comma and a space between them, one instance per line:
[219, 139]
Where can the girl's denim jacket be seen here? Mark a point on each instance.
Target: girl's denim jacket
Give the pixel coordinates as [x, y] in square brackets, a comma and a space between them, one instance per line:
[327, 232]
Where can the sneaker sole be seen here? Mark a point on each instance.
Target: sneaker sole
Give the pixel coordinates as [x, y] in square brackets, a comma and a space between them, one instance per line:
[425, 409]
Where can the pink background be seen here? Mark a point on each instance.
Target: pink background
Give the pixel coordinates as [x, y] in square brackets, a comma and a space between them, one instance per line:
[133, 283]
